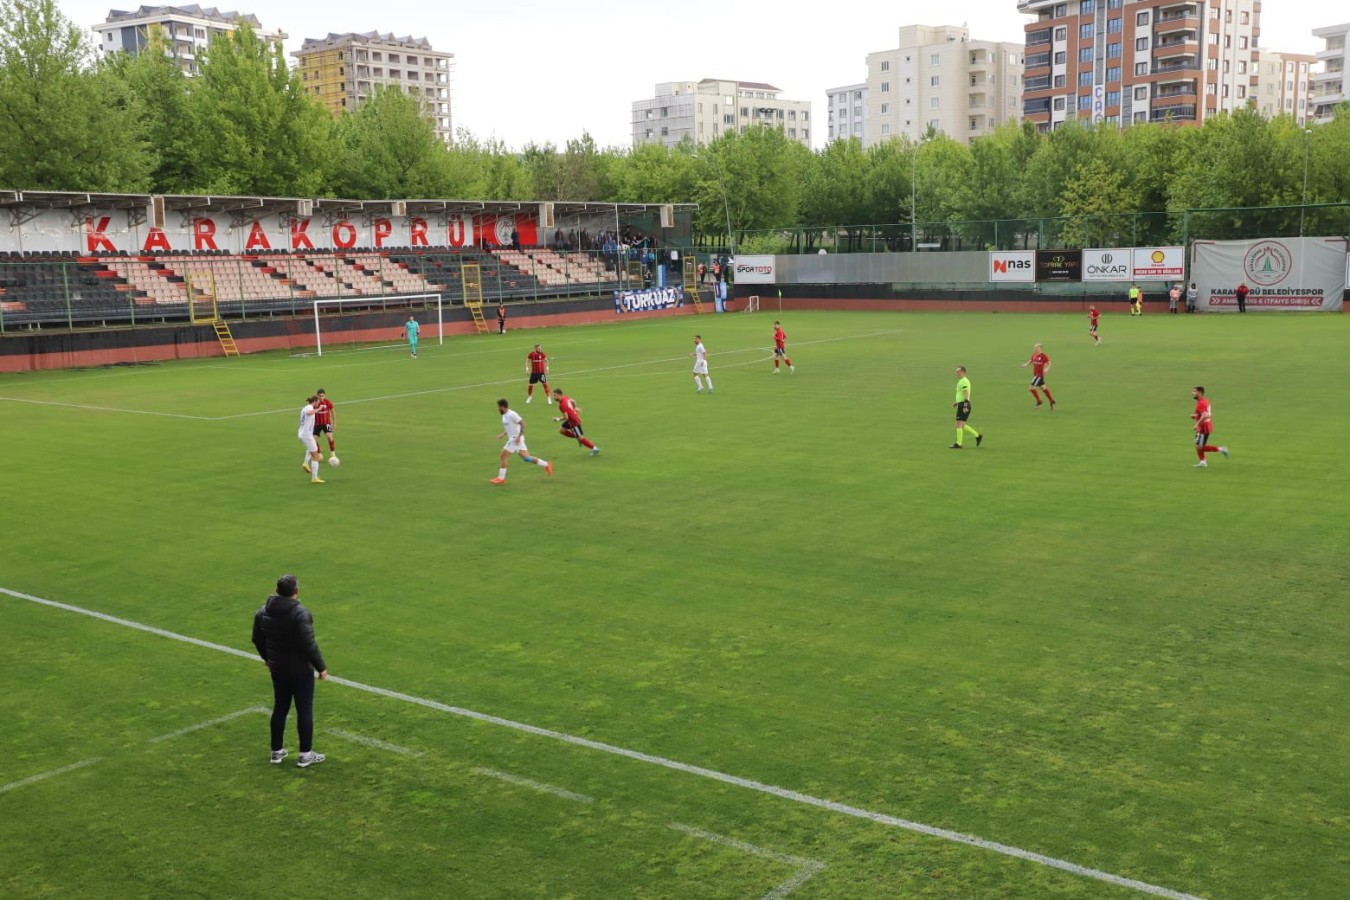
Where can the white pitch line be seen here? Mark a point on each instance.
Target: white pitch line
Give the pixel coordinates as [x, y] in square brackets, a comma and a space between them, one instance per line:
[533, 785]
[5, 788]
[201, 725]
[88, 407]
[712, 774]
[373, 742]
[806, 868]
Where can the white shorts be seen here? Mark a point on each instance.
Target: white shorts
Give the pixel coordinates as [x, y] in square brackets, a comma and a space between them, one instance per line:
[516, 445]
[701, 368]
[310, 444]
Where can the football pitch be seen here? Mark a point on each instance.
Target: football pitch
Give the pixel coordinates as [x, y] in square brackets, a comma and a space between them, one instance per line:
[774, 641]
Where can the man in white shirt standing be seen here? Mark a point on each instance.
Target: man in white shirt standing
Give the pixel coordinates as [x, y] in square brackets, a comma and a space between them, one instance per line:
[700, 356]
[513, 429]
[306, 435]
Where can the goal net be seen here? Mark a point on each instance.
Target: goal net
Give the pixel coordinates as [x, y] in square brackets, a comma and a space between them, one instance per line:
[335, 325]
[751, 304]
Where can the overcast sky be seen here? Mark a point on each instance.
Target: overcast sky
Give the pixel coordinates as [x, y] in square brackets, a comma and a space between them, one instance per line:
[547, 71]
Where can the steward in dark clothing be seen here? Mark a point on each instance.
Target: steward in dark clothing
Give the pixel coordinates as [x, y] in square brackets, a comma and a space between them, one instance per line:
[283, 632]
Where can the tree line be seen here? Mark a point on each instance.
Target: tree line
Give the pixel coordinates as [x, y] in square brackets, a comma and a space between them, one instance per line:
[244, 125]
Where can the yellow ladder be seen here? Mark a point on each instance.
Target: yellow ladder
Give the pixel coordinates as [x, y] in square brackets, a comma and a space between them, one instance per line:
[691, 282]
[473, 294]
[226, 339]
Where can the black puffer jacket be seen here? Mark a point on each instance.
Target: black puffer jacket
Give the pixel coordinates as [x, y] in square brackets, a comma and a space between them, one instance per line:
[283, 632]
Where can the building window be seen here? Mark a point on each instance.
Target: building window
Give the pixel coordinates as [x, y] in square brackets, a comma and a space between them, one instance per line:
[1085, 31]
[885, 65]
[1062, 33]
[1087, 6]
[1113, 51]
[885, 108]
[1059, 104]
[1141, 43]
[885, 128]
[1085, 55]
[1141, 19]
[933, 80]
[935, 59]
[1059, 81]
[1242, 91]
[1113, 98]
[1141, 68]
[1085, 102]
[1242, 40]
[1113, 26]
[1112, 74]
[1141, 93]
[1085, 79]
[885, 87]
[1245, 17]
[1114, 4]
[934, 102]
[1060, 57]
[1242, 67]
[1061, 10]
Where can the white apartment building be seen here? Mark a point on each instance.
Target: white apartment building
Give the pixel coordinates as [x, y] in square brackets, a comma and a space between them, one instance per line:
[705, 110]
[1330, 87]
[846, 111]
[1282, 84]
[185, 30]
[342, 71]
[938, 77]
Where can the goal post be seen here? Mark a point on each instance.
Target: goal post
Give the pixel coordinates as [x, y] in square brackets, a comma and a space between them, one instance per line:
[752, 304]
[383, 304]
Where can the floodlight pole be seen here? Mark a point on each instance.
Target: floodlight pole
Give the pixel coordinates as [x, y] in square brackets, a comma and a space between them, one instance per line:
[1303, 209]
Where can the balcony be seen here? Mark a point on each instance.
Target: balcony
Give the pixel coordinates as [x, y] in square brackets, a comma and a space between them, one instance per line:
[1180, 36]
[1176, 64]
[1183, 113]
[1036, 60]
[1032, 107]
[1037, 83]
[1039, 37]
[1181, 89]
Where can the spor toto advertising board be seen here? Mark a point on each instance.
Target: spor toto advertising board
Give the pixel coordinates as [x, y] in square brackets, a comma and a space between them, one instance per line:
[753, 270]
[1012, 265]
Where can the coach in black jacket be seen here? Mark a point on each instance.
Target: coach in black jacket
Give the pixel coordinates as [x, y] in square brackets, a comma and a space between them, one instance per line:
[283, 632]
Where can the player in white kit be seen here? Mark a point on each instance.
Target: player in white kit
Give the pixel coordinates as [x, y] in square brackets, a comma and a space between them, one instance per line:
[700, 356]
[306, 435]
[513, 429]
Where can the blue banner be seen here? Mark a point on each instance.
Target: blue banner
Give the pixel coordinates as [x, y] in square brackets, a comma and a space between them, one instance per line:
[648, 300]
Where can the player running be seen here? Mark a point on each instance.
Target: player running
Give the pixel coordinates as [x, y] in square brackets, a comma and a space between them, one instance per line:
[513, 429]
[780, 348]
[1040, 364]
[1093, 316]
[325, 418]
[536, 366]
[571, 420]
[1204, 428]
[306, 435]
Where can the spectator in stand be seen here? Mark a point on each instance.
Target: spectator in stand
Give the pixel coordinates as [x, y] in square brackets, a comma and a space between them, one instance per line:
[558, 240]
[515, 239]
[702, 273]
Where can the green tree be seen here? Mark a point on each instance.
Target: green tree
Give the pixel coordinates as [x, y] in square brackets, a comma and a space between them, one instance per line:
[159, 90]
[1091, 202]
[994, 187]
[64, 124]
[836, 186]
[756, 177]
[257, 131]
[390, 150]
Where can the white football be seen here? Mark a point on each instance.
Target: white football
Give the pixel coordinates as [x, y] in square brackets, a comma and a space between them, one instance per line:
[334, 461]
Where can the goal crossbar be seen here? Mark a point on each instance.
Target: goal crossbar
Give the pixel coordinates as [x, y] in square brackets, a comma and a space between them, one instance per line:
[384, 303]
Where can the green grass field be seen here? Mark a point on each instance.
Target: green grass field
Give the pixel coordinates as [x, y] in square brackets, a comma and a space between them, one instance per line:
[768, 631]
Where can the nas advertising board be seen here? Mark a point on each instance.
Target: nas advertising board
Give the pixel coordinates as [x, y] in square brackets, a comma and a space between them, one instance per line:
[1012, 265]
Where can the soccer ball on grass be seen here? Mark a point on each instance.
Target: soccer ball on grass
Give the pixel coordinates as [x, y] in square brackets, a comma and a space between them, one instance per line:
[334, 461]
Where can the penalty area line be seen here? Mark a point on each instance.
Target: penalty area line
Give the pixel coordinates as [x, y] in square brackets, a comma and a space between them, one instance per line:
[782, 793]
[43, 776]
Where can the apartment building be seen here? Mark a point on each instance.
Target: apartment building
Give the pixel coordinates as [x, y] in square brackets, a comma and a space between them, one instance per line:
[846, 112]
[342, 71]
[1122, 62]
[185, 30]
[1330, 87]
[939, 78]
[705, 110]
[1283, 84]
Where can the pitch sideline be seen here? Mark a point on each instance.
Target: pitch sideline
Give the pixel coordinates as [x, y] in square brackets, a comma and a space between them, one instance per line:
[639, 756]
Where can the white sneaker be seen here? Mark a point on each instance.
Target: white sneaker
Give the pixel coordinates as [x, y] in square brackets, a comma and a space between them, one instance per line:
[775, 370]
[529, 397]
[550, 400]
[698, 390]
[1224, 451]
[308, 759]
[1201, 465]
[792, 368]
[279, 755]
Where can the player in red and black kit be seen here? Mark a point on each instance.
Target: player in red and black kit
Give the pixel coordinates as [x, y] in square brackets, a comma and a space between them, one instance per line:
[571, 421]
[536, 366]
[780, 349]
[1204, 428]
[1040, 364]
[325, 418]
[1093, 315]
